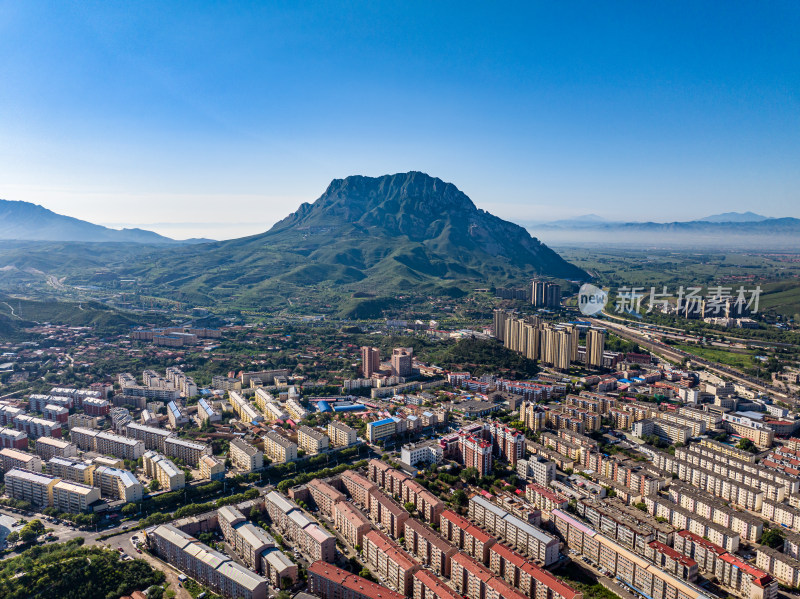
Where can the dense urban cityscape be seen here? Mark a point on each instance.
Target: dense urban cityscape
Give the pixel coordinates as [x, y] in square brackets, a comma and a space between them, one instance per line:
[612, 469]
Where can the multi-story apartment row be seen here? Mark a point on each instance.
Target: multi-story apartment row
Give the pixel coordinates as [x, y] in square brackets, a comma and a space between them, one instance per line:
[244, 456]
[426, 452]
[153, 438]
[37, 402]
[117, 483]
[748, 491]
[538, 469]
[641, 479]
[627, 525]
[532, 541]
[706, 505]
[560, 419]
[188, 451]
[683, 519]
[697, 427]
[475, 581]
[273, 412]
[82, 421]
[751, 473]
[782, 513]
[467, 537]
[351, 523]
[428, 547]
[329, 582]
[70, 468]
[664, 430]
[78, 395]
[209, 567]
[669, 560]
[206, 412]
[14, 458]
[758, 432]
[544, 498]
[358, 487]
[43, 490]
[107, 443]
[296, 410]
[406, 488]
[593, 402]
[428, 586]
[48, 447]
[712, 420]
[38, 427]
[325, 495]
[532, 581]
[131, 388]
[160, 468]
[705, 553]
[296, 526]
[591, 420]
[311, 441]
[211, 468]
[782, 566]
[562, 445]
[257, 549]
[183, 382]
[278, 448]
[629, 568]
[729, 570]
[13, 438]
[393, 564]
[176, 415]
[243, 408]
[386, 513]
[341, 435]
[561, 461]
[225, 383]
[9, 413]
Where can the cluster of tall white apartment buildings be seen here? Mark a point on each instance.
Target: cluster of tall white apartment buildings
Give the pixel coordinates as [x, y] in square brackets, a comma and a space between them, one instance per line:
[553, 344]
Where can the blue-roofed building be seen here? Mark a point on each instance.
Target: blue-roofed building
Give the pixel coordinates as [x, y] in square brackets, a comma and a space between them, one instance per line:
[381, 429]
[177, 417]
[355, 407]
[323, 406]
[206, 411]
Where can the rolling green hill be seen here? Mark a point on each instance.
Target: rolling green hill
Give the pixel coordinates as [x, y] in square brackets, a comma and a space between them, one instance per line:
[17, 314]
[404, 234]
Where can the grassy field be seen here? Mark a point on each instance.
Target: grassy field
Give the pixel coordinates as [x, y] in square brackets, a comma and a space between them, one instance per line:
[734, 360]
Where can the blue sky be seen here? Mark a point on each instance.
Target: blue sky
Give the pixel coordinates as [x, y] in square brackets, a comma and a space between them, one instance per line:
[219, 120]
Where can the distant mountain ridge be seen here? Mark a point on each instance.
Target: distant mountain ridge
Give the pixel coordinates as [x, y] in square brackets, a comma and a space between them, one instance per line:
[31, 222]
[734, 217]
[729, 230]
[407, 232]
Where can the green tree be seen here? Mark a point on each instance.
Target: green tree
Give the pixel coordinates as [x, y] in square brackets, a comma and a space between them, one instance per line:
[772, 537]
[410, 507]
[459, 497]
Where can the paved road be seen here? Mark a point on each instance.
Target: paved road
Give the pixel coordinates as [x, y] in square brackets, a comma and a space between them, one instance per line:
[124, 542]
